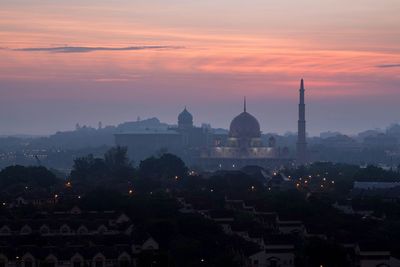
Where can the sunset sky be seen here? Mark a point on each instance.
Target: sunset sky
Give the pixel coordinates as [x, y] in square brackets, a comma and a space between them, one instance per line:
[64, 62]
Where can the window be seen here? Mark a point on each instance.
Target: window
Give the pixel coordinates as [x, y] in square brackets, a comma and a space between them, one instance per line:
[28, 263]
[102, 229]
[5, 230]
[99, 262]
[65, 229]
[77, 263]
[26, 230]
[49, 263]
[124, 262]
[82, 230]
[44, 230]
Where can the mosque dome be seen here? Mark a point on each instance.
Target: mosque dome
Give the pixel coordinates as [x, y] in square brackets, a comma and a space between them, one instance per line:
[244, 125]
[185, 118]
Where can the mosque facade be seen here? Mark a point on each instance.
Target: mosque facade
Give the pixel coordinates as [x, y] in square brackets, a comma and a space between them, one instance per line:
[243, 146]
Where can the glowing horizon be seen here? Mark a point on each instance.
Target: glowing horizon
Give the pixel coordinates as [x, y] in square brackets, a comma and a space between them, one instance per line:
[69, 62]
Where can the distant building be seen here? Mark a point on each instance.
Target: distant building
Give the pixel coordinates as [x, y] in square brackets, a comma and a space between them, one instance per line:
[213, 149]
[243, 146]
[375, 185]
[382, 141]
[301, 129]
[185, 140]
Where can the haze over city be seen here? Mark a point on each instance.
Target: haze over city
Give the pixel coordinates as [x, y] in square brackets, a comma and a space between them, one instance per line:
[153, 133]
[64, 62]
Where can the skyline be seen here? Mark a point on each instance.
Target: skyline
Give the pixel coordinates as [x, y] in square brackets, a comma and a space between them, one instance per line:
[70, 62]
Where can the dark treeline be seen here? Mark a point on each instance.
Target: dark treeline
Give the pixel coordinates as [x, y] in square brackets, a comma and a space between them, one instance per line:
[148, 194]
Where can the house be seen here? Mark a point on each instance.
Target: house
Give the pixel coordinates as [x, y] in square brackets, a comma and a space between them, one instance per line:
[273, 256]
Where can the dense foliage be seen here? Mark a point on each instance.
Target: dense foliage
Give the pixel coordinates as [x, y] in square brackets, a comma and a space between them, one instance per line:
[115, 166]
[28, 176]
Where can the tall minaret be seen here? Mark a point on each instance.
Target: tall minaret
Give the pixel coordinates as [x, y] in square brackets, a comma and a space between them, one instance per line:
[301, 130]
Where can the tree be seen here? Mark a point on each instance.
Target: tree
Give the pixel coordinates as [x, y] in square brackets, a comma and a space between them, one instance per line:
[114, 166]
[166, 167]
[116, 158]
[88, 168]
[118, 164]
[32, 176]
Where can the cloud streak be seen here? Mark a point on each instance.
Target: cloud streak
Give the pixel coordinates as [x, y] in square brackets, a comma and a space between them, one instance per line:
[87, 49]
[388, 66]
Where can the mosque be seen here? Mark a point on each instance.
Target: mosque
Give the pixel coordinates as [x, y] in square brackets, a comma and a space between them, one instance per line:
[210, 149]
[243, 146]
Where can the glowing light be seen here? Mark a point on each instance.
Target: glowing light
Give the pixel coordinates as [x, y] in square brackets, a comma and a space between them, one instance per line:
[55, 196]
[332, 182]
[324, 179]
[130, 191]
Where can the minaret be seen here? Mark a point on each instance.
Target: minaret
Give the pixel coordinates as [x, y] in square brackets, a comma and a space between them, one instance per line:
[244, 104]
[301, 130]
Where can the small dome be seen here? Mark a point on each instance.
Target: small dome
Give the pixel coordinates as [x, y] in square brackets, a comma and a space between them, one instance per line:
[244, 125]
[185, 118]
